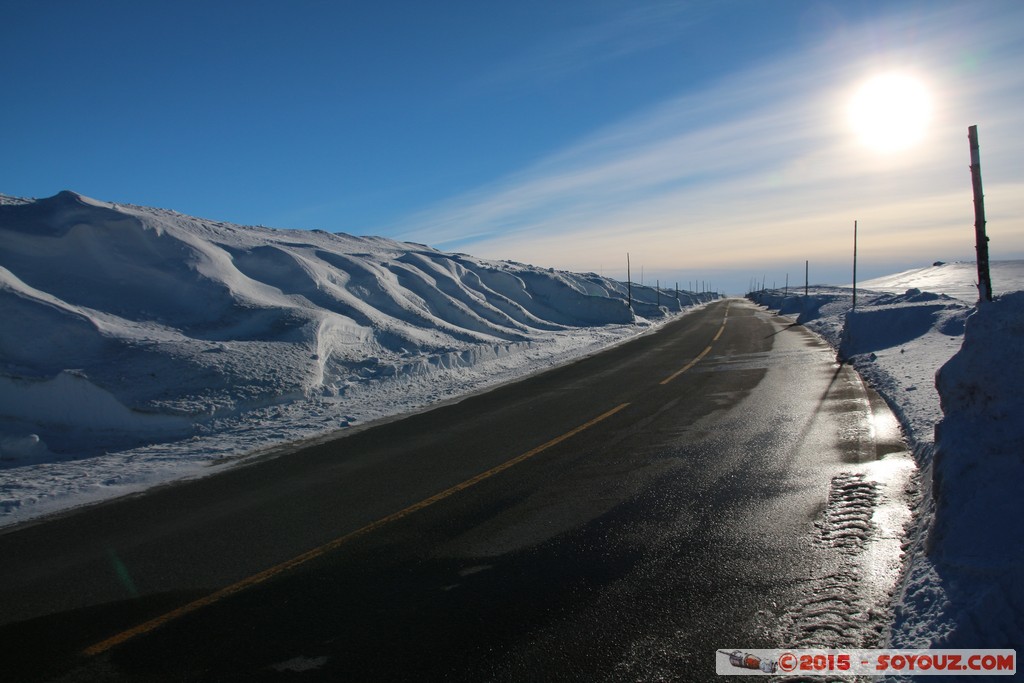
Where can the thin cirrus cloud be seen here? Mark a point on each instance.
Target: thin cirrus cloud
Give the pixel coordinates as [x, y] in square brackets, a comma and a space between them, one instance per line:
[762, 168]
[631, 29]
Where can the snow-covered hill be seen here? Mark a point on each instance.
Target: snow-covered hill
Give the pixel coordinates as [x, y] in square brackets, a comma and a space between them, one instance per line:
[958, 279]
[169, 340]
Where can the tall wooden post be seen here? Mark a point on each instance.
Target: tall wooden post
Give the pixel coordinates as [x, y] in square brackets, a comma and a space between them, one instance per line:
[807, 276]
[980, 238]
[855, 265]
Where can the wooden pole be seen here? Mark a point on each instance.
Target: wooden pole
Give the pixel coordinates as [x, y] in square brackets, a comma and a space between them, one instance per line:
[980, 238]
[807, 275]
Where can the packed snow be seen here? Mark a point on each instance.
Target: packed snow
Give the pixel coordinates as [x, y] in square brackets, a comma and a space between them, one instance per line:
[950, 369]
[141, 345]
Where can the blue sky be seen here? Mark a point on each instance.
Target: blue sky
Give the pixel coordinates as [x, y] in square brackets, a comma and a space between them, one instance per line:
[706, 138]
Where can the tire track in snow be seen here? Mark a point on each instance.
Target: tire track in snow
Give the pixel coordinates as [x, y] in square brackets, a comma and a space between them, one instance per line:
[836, 613]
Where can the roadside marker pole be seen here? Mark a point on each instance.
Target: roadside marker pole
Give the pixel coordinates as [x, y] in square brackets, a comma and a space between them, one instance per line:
[980, 238]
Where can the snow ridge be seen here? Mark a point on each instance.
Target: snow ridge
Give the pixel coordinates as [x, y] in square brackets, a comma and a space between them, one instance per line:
[140, 328]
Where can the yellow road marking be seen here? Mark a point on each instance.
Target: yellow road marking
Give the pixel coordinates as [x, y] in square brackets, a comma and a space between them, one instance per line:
[687, 366]
[267, 574]
[703, 353]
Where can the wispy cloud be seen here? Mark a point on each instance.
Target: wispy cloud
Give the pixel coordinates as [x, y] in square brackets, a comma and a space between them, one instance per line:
[761, 167]
[612, 35]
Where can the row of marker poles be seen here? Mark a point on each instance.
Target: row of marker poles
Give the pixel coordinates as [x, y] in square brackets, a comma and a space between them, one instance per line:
[705, 286]
[980, 237]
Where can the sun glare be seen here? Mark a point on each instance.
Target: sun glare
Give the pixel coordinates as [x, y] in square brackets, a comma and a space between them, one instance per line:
[890, 112]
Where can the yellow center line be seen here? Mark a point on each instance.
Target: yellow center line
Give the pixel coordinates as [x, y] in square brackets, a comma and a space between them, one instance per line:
[288, 565]
[687, 366]
[703, 353]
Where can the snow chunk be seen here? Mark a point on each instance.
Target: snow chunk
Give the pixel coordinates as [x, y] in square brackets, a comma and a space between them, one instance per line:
[22, 448]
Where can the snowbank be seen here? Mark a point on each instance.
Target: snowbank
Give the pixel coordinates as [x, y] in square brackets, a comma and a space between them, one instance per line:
[895, 341]
[968, 589]
[140, 344]
[952, 374]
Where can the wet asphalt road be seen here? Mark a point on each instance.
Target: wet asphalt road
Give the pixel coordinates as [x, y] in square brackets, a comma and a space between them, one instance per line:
[689, 492]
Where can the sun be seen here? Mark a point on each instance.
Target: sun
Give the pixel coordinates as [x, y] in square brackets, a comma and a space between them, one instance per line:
[890, 112]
